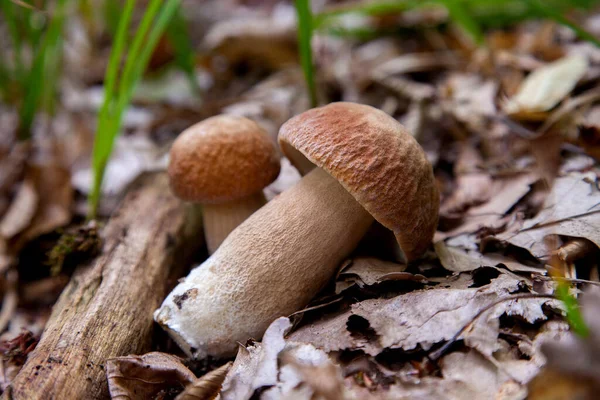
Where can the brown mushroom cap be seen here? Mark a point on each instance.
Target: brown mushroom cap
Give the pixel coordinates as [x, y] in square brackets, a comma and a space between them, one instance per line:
[222, 158]
[377, 161]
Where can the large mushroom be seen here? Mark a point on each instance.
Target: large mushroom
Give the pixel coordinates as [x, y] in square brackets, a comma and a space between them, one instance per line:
[367, 167]
[223, 162]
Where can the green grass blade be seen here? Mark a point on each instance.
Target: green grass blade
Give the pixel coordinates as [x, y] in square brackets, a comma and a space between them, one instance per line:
[114, 60]
[53, 59]
[557, 16]
[305, 32]
[179, 37]
[104, 139]
[109, 122]
[111, 10]
[370, 8]
[461, 16]
[159, 27]
[35, 84]
[139, 39]
[10, 20]
[573, 313]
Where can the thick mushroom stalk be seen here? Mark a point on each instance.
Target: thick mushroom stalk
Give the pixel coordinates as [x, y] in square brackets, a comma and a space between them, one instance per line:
[271, 265]
[223, 162]
[369, 168]
[222, 218]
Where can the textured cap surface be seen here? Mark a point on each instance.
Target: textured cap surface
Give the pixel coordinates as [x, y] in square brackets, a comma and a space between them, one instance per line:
[377, 161]
[222, 158]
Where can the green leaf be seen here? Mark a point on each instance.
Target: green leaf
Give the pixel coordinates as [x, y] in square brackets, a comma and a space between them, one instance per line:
[461, 16]
[40, 84]
[573, 312]
[305, 32]
[153, 24]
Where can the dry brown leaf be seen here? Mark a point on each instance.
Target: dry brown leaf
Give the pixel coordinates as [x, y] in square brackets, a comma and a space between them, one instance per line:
[573, 368]
[578, 356]
[256, 365]
[472, 186]
[131, 156]
[571, 209]
[470, 99]
[555, 385]
[12, 167]
[267, 41]
[464, 376]
[207, 387]
[273, 101]
[505, 193]
[369, 271]
[456, 259]
[546, 87]
[278, 368]
[21, 211]
[423, 318]
[53, 185]
[143, 377]
[14, 352]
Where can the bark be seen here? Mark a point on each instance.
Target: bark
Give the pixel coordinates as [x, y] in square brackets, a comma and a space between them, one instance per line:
[106, 310]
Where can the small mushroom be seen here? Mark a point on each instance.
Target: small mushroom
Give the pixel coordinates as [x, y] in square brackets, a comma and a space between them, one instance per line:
[368, 167]
[223, 162]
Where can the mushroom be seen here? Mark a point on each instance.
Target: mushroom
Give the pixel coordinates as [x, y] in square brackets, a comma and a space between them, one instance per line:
[367, 167]
[223, 162]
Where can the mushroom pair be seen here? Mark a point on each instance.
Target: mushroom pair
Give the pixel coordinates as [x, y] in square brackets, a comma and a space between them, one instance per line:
[223, 163]
[368, 167]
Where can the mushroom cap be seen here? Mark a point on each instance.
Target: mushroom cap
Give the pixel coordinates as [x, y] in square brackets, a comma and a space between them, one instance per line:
[376, 160]
[222, 158]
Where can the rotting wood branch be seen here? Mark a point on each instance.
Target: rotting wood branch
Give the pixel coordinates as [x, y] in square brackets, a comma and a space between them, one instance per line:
[106, 310]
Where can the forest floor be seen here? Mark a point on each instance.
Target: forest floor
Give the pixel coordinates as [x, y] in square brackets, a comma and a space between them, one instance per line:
[512, 129]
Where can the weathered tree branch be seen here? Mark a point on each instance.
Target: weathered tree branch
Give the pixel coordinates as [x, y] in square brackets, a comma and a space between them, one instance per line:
[106, 310]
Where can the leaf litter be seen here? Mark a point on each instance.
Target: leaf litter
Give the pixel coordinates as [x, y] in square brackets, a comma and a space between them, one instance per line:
[513, 131]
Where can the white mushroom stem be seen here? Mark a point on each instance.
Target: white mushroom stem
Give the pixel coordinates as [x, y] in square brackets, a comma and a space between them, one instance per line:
[221, 219]
[272, 265]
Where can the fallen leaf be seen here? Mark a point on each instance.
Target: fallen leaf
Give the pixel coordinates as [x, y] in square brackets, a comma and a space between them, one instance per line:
[268, 41]
[278, 368]
[273, 101]
[472, 185]
[505, 193]
[21, 211]
[460, 260]
[143, 377]
[53, 186]
[12, 168]
[288, 177]
[368, 271]
[545, 87]
[131, 156]
[256, 365]
[572, 366]
[207, 387]
[421, 318]
[572, 208]
[463, 376]
[470, 99]
[14, 354]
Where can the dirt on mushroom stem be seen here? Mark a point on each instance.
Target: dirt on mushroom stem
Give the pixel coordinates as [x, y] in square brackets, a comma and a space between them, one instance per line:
[270, 266]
